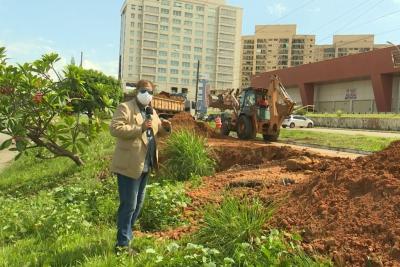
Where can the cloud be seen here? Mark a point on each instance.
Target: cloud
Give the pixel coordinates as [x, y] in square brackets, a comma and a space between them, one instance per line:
[277, 9]
[27, 50]
[108, 67]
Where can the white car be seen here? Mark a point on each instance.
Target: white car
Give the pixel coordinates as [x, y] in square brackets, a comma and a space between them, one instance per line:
[297, 121]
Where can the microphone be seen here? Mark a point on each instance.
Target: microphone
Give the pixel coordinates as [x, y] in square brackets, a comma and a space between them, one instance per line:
[149, 112]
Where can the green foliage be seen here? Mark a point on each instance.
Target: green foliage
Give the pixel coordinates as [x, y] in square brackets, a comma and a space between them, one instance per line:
[234, 222]
[163, 206]
[39, 111]
[187, 156]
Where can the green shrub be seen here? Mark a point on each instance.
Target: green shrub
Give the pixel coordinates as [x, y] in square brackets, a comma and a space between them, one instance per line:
[187, 156]
[234, 222]
[163, 206]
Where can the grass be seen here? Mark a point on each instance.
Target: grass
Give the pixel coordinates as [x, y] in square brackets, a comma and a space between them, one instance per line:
[357, 142]
[350, 115]
[187, 156]
[56, 214]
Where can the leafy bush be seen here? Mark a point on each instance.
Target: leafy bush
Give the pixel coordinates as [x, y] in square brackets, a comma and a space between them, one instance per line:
[187, 156]
[234, 222]
[163, 206]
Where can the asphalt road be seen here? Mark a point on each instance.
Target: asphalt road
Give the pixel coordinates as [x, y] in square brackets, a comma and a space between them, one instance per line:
[6, 156]
[350, 132]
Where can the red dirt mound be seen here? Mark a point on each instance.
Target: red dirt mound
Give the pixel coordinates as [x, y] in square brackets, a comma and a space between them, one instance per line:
[185, 121]
[350, 210]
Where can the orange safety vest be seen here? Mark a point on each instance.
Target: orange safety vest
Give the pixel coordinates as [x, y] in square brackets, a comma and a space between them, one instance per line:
[218, 122]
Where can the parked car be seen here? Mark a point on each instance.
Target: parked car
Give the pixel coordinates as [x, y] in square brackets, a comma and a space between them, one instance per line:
[297, 121]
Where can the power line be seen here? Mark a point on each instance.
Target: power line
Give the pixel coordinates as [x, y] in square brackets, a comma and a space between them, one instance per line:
[294, 10]
[346, 25]
[342, 15]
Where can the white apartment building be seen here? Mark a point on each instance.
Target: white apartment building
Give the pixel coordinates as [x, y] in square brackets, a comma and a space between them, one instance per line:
[163, 41]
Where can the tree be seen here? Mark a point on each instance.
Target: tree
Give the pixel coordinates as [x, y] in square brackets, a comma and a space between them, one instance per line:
[39, 112]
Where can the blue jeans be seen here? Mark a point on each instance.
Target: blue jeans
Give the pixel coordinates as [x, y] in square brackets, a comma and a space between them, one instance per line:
[131, 197]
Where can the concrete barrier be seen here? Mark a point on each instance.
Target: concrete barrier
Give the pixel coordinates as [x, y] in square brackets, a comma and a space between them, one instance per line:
[384, 124]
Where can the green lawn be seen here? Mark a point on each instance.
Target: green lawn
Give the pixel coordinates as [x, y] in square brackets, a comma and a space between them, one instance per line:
[358, 142]
[345, 115]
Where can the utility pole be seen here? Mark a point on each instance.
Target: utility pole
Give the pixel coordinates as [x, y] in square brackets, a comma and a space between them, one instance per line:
[197, 85]
[81, 60]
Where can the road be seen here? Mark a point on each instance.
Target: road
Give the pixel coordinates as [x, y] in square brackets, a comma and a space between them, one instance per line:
[6, 156]
[351, 132]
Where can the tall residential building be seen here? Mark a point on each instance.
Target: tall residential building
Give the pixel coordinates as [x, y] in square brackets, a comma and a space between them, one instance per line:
[278, 46]
[274, 47]
[344, 45]
[163, 40]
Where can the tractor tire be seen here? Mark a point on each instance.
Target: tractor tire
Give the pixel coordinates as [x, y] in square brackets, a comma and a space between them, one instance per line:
[225, 130]
[244, 128]
[292, 125]
[271, 138]
[309, 125]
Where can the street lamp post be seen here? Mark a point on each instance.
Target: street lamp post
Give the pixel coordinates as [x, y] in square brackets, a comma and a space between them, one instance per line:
[197, 85]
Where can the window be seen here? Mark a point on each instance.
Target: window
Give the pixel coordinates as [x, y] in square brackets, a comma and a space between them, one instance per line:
[176, 21]
[132, 16]
[173, 80]
[185, 81]
[174, 71]
[186, 72]
[188, 23]
[228, 12]
[163, 37]
[176, 29]
[199, 33]
[162, 62]
[151, 9]
[148, 52]
[210, 51]
[186, 56]
[188, 32]
[187, 40]
[132, 24]
[186, 64]
[151, 27]
[149, 61]
[189, 6]
[163, 45]
[174, 63]
[165, 2]
[162, 70]
[150, 44]
[175, 55]
[151, 35]
[200, 17]
[199, 25]
[163, 28]
[164, 20]
[175, 46]
[161, 78]
[187, 48]
[198, 41]
[200, 8]
[163, 53]
[177, 13]
[198, 49]
[164, 11]
[188, 15]
[151, 18]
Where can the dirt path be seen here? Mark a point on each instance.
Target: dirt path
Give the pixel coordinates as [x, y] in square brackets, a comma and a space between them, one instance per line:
[6, 156]
[351, 132]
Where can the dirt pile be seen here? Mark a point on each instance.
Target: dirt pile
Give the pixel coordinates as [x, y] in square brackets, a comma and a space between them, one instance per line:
[350, 210]
[185, 121]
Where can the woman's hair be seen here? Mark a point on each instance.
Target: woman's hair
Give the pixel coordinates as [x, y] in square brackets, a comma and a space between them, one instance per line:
[144, 83]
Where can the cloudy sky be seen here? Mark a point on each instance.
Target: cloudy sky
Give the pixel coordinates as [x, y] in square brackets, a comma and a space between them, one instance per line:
[29, 28]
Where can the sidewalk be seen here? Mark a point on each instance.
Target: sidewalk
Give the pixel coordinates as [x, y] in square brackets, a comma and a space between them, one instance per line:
[6, 156]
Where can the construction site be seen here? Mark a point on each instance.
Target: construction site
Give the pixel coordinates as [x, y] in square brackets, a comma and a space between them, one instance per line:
[344, 205]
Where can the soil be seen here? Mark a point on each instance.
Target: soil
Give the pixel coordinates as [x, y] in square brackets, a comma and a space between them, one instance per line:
[185, 121]
[346, 209]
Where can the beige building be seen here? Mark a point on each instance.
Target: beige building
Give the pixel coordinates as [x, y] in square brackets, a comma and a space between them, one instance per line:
[344, 45]
[274, 47]
[163, 40]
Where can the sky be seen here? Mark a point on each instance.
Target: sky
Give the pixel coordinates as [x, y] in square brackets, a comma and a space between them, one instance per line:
[30, 28]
